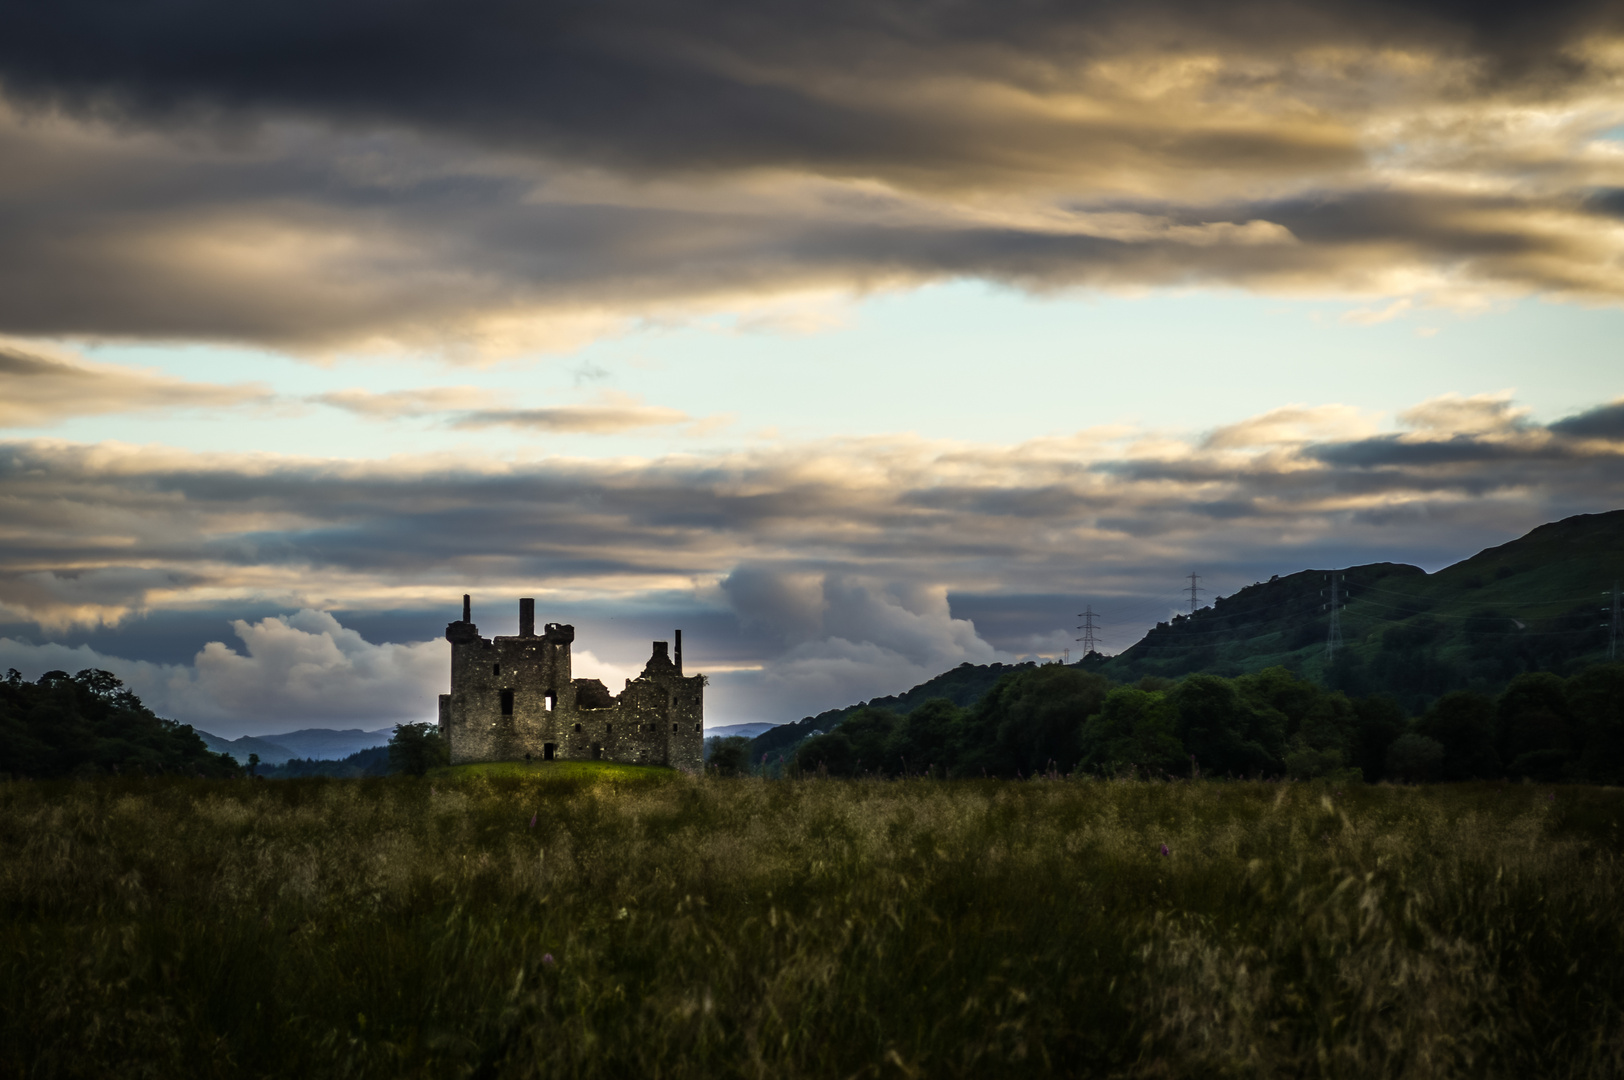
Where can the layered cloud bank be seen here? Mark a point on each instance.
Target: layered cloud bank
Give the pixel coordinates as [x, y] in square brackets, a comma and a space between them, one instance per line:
[484, 179]
[833, 561]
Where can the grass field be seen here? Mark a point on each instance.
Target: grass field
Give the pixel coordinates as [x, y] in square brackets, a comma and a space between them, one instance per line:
[649, 924]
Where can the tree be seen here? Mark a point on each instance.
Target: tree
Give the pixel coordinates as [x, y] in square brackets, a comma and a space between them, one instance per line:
[1034, 718]
[1381, 722]
[253, 764]
[1463, 724]
[1534, 729]
[1225, 732]
[1134, 727]
[1413, 757]
[416, 748]
[729, 757]
[1596, 696]
[1326, 741]
[929, 736]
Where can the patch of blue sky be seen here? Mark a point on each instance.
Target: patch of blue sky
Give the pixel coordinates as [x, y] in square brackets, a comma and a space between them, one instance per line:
[962, 360]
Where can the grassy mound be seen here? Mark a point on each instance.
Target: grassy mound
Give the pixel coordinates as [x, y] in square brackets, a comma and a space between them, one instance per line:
[486, 922]
[555, 772]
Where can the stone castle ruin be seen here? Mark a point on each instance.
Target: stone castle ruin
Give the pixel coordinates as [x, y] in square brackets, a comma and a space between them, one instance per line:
[513, 698]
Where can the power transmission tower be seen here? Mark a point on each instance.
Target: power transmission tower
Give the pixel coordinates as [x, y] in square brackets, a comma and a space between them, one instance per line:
[1617, 616]
[1195, 592]
[1333, 636]
[1088, 629]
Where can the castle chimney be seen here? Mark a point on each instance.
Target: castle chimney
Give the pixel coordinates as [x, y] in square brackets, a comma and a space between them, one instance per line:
[527, 617]
[679, 652]
[660, 652]
[467, 609]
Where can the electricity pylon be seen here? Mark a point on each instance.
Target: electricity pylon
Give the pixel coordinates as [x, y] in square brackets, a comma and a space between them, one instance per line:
[1088, 628]
[1195, 592]
[1333, 635]
[1616, 616]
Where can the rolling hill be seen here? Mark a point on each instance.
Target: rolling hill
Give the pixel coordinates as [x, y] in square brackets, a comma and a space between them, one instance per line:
[1541, 602]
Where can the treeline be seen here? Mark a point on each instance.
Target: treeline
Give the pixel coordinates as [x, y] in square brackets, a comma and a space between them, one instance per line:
[89, 724]
[370, 762]
[1271, 723]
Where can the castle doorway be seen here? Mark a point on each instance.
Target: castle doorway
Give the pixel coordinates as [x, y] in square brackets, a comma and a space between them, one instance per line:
[597, 751]
[547, 751]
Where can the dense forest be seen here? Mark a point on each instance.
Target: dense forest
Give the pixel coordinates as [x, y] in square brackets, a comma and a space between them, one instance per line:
[1059, 718]
[89, 724]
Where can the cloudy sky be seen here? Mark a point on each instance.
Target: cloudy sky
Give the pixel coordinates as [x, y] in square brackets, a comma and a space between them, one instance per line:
[857, 339]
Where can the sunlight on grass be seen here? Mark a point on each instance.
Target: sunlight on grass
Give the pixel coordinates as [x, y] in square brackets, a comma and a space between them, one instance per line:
[589, 772]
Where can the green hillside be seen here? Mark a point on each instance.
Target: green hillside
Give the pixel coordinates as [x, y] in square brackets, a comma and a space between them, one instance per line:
[1538, 603]
[963, 686]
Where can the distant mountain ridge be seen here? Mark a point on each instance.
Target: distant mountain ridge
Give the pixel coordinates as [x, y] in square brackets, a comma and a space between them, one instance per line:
[745, 731]
[320, 744]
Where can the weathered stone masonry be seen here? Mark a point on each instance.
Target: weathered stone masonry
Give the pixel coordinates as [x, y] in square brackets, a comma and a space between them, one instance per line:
[512, 696]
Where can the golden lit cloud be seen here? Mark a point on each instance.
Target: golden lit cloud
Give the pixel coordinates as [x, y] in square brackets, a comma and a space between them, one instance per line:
[38, 389]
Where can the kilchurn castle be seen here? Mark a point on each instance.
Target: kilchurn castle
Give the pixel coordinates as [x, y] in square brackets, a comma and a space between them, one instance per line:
[513, 697]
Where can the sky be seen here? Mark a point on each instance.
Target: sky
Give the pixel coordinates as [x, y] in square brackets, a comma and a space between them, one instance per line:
[857, 340]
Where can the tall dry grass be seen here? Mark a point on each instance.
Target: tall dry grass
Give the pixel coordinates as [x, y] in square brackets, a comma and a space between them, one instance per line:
[665, 927]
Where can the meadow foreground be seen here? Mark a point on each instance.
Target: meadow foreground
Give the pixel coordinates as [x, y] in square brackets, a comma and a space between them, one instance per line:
[614, 921]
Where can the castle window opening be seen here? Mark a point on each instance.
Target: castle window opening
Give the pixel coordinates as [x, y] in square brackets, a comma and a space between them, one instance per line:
[577, 729]
[496, 669]
[550, 700]
[548, 750]
[673, 727]
[608, 729]
[699, 728]
[507, 702]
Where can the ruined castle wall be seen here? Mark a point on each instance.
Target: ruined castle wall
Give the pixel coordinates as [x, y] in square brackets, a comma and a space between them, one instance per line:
[512, 696]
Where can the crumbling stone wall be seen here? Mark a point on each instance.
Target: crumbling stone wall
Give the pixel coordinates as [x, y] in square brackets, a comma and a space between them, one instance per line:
[513, 696]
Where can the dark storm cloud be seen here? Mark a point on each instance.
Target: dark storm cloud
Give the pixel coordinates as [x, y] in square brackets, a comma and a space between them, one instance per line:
[1606, 422]
[705, 83]
[491, 178]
